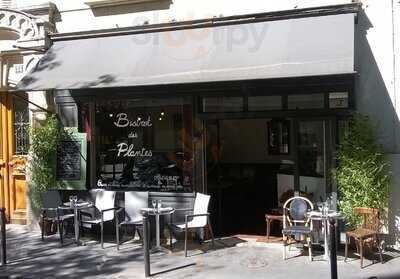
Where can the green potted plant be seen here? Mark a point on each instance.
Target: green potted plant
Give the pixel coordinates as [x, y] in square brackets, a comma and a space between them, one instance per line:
[44, 138]
[363, 171]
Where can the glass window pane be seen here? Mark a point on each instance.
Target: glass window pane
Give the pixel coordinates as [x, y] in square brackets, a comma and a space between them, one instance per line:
[278, 136]
[309, 101]
[223, 104]
[21, 126]
[339, 100]
[261, 103]
[311, 148]
[145, 144]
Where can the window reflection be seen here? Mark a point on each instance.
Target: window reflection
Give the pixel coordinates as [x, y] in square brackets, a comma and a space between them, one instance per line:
[312, 148]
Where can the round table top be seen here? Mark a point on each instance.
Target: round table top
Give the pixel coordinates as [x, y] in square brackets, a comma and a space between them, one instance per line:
[158, 211]
[317, 215]
[82, 204]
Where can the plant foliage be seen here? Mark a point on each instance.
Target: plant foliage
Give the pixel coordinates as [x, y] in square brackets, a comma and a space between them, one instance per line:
[363, 174]
[43, 150]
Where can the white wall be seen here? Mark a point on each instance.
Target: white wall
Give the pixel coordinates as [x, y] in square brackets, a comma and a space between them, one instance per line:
[77, 16]
[377, 86]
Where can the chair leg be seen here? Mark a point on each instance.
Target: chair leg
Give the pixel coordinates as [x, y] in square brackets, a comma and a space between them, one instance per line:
[361, 252]
[134, 232]
[101, 235]
[60, 231]
[346, 248]
[284, 238]
[42, 228]
[268, 228]
[170, 238]
[309, 247]
[378, 244]
[211, 232]
[139, 233]
[117, 234]
[186, 233]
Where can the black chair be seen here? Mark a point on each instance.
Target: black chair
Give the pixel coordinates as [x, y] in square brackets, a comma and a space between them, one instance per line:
[296, 223]
[52, 214]
[132, 216]
[105, 212]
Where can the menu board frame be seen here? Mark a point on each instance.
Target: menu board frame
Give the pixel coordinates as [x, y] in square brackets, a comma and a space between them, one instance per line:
[72, 179]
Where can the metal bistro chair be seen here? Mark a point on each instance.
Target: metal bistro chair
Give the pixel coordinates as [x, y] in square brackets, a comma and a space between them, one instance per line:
[200, 218]
[53, 214]
[134, 202]
[296, 223]
[367, 233]
[105, 205]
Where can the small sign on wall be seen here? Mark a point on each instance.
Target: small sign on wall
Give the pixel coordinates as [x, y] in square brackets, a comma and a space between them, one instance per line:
[339, 100]
[19, 68]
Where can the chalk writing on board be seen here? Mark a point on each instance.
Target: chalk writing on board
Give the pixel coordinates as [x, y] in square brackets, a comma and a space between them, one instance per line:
[69, 160]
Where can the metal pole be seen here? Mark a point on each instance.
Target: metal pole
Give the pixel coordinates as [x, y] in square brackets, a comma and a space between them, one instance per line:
[333, 259]
[3, 237]
[146, 238]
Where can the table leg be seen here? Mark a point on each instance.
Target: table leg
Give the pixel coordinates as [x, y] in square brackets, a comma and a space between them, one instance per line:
[268, 227]
[76, 225]
[326, 248]
[158, 231]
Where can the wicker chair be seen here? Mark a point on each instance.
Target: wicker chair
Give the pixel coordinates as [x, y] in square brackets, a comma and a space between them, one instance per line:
[367, 233]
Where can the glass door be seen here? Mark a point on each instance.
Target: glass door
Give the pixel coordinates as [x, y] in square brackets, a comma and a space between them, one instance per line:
[314, 155]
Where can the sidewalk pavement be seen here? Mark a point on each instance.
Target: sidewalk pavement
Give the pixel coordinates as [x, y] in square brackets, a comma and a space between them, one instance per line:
[30, 257]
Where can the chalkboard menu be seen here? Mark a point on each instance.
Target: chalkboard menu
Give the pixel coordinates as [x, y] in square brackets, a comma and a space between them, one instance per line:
[69, 160]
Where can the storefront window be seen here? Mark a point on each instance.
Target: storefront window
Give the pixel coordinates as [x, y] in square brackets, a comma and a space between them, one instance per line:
[265, 103]
[306, 101]
[278, 137]
[145, 144]
[223, 104]
[311, 148]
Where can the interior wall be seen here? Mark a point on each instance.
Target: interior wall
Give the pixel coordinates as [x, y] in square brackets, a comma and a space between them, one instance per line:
[244, 141]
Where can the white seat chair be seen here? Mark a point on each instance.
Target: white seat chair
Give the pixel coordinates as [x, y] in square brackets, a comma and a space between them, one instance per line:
[105, 205]
[200, 218]
[134, 202]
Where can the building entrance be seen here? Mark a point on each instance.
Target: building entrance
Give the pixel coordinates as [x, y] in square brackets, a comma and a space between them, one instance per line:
[254, 165]
[242, 174]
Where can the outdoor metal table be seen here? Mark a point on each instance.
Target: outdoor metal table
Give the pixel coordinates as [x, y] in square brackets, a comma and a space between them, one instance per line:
[324, 218]
[76, 207]
[157, 212]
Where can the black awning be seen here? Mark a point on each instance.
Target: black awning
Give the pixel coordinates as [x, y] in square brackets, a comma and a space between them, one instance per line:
[298, 47]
